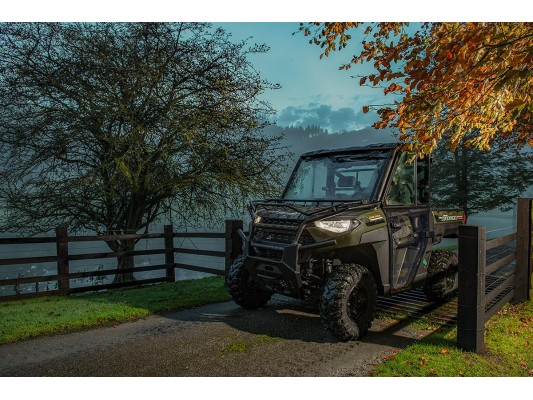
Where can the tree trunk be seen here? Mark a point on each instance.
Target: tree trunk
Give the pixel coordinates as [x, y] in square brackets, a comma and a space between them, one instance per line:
[125, 261]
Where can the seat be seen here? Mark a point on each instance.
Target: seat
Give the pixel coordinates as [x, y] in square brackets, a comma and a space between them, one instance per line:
[348, 183]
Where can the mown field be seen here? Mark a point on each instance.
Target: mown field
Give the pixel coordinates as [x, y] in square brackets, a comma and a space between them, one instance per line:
[23, 319]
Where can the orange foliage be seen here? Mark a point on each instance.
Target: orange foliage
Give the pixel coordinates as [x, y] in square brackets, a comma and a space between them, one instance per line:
[451, 78]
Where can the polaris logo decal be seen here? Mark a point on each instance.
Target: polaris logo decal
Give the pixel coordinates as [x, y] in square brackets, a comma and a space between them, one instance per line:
[447, 218]
[375, 219]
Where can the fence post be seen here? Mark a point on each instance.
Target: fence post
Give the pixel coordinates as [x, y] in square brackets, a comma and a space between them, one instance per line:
[471, 290]
[62, 259]
[524, 254]
[233, 241]
[169, 253]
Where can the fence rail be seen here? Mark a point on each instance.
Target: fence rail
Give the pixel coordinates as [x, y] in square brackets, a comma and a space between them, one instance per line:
[485, 289]
[231, 250]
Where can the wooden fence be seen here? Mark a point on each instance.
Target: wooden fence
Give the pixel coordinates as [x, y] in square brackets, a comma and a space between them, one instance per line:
[485, 289]
[232, 249]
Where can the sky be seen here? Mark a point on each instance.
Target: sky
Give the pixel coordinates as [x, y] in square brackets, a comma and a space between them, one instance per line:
[313, 91]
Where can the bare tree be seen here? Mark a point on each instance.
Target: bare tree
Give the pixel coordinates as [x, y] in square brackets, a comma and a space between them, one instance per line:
[107, 127]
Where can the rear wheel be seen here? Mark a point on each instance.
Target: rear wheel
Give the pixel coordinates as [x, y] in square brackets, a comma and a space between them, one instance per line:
[441, 281]
[243, 289]
[348, 302]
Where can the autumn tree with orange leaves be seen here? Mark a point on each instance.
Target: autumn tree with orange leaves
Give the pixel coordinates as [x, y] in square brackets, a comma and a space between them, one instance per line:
[446, 79]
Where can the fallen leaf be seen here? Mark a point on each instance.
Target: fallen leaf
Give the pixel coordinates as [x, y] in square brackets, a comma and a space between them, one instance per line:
[527, 343]
[523, 364]
[443, 351]
[389, 357]
[461, 373]
[432, 372]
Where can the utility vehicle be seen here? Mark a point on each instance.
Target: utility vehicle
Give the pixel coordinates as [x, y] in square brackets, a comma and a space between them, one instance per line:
[351, 224]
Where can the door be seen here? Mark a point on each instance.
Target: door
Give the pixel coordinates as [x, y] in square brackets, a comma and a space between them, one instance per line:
[407, 210]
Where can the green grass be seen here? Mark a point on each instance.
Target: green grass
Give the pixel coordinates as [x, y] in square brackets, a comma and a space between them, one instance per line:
[508, 350]
[242, 345]
[23, 319]
[237, 347]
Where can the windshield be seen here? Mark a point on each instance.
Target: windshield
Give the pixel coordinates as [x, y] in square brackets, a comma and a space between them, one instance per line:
[337, 177]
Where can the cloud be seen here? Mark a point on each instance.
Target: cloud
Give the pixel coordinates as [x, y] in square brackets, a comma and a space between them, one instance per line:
[323, 115]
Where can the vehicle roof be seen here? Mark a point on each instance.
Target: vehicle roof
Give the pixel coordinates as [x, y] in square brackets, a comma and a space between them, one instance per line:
[346, 150]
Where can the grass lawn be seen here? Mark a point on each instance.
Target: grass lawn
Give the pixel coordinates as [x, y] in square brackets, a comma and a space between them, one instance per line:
[23, 319]
[508, 350]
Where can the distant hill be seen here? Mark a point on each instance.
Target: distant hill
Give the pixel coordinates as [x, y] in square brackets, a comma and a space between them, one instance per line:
[300, 140]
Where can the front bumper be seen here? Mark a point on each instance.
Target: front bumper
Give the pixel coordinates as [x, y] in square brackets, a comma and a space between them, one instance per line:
[279, 275]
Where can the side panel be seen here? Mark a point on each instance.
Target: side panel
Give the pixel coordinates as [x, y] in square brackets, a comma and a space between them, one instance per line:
[410, 247]
[379, 241]
[446, 223]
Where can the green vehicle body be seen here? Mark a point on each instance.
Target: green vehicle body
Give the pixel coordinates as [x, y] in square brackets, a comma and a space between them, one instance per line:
[295, 243]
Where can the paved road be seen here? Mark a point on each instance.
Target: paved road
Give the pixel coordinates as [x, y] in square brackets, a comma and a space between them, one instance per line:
[285, 338]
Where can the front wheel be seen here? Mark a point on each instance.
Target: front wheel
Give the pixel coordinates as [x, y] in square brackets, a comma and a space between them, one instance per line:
[348, 302]
[243, 289]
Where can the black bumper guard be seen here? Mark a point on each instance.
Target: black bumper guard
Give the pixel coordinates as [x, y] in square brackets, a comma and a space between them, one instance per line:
[268, 272]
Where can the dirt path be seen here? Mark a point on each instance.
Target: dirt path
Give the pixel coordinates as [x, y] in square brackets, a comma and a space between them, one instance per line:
[284, 339]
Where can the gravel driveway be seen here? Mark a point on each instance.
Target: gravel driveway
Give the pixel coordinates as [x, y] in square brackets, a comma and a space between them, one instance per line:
[285, 338]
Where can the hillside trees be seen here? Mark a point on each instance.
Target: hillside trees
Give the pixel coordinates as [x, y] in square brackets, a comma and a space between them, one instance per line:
[444, 79]
[479, 181]
[108, 127]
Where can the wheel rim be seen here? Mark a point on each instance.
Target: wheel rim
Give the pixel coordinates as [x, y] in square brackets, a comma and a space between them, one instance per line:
[357, 304]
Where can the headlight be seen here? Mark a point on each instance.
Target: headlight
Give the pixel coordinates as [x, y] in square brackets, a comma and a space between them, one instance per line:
[257, 220]
[338, 226]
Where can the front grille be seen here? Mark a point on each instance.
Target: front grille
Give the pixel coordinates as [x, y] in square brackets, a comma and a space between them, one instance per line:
[292, 224]
[282, 231]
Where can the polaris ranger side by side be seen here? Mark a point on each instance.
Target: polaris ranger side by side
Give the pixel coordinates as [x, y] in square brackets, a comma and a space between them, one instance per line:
[351, 224]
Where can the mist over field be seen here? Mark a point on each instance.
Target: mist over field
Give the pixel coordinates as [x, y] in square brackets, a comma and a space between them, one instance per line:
[298, 140]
